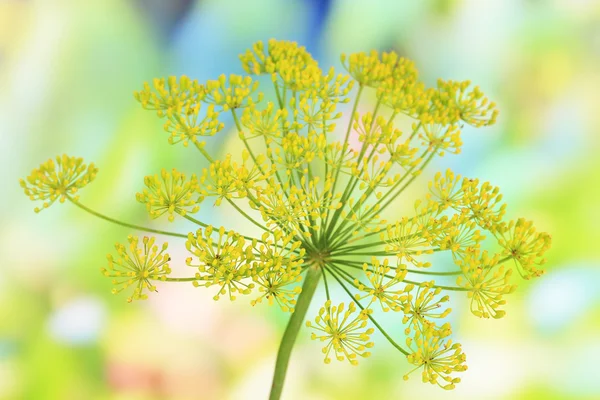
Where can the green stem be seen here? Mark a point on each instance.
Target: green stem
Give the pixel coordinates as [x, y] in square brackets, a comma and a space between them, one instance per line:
[339, 167]
[125, 224]
[245, 215]
[180, 279]
[203, 152]
[311, 281]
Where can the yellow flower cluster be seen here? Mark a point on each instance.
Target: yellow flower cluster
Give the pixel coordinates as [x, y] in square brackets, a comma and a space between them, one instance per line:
[438, 358]
[137, 266]
[316, 195]
[426, 303]
[383, 288]
[58, 180]
[231, 92]
[346, 334]
[523, 244]
[407, 240]
[224, 262]
[486, 282]
[179, 101]
[285, 61]
[277, 268]
[227, 179]
[370, 69]
[170, 193]
[237, 265]
[481, 202]
[470, 106]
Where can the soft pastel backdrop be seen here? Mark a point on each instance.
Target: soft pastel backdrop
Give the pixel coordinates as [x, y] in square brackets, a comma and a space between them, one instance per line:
[67, 72]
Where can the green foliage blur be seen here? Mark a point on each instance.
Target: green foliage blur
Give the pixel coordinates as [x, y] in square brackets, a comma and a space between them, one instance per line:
[67, 73]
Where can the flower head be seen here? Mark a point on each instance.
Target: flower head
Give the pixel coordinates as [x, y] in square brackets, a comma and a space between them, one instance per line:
[523, 244]
[277, 270]
[137, 265]
[470, 106]
[227, 179]
[265, 123]
[286, 61]
[180, 102]
[459, 234]
[346, 334]
[481, 202]
[58, 180]
[385, 285]
[170, 93]
[370, 69]
[486, 282]
[170, 193]
[424, 304]
[438, 358]
[231, 92]
[224, 262]
[409, 238]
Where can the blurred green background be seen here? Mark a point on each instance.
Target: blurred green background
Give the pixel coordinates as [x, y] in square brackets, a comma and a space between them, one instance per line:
[67, 72]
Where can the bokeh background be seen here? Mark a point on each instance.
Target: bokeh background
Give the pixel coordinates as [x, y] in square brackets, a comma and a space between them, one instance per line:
[67, 72]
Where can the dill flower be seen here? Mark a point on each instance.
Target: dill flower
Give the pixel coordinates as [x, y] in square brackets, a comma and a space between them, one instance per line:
[523, 244]
[438, 358]
[486, 283]
[58, 180]
[347, 337]
[224, 262]
[137, 266]
[278, 266]
[171, 193]
[383, 288]
[370, 69]
[179, 101]
[473, 107]
[318, 205]
[407, 240]
[231, 92]
[423, 305]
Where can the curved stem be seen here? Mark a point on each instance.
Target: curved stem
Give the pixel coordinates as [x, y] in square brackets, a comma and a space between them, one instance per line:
[311, 281]
[203, 152]
[194, 220]
[245, 215]
[125, 224]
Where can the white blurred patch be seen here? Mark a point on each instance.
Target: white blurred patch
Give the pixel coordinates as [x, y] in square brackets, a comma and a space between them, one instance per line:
[78, 322]
[563, 296]
[580, 377]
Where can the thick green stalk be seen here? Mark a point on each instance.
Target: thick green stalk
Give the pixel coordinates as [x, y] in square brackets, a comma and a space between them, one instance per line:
[311, 281]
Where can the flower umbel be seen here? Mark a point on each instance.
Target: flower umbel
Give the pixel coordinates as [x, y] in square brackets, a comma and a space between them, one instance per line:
[345, 334]
[138, 266]
[438, 358]
[170, 193]
[486, 282]
[224, 262]
[58, 180]
[316, 206]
